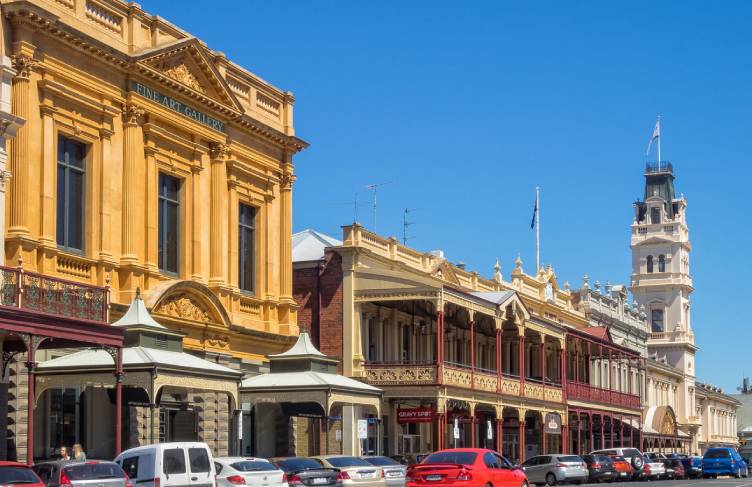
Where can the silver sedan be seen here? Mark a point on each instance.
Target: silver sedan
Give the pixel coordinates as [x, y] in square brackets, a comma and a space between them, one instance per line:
[552, 469]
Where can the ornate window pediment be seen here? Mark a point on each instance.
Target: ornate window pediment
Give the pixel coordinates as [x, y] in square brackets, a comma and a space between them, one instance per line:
[184, 307]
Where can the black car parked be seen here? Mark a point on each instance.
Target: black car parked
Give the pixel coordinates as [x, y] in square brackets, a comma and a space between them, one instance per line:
[306, 472]
[600, 468]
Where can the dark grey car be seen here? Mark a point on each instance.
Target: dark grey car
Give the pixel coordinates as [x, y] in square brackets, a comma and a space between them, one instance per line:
[93, 473]
[306, 472]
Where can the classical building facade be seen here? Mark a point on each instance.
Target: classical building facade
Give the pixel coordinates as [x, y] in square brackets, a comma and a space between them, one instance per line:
[462, 359]
[149, 161]
[662, 284]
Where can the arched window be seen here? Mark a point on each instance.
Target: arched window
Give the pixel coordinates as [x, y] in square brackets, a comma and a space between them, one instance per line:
[661, 263]
[650, 263]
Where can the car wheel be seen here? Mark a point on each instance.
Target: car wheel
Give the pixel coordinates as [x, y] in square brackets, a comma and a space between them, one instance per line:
[550, 479]
[489, 484]
[524, 484]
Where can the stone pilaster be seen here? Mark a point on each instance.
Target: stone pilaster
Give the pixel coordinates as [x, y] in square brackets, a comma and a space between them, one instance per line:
[218, 154]
[132, 153]
[19, 153]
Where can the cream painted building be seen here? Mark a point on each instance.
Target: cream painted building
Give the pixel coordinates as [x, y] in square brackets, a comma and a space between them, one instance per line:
[661, 285]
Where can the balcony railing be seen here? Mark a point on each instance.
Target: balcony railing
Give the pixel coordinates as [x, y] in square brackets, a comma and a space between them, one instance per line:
[52, 296]
[658, 167]
[460, 376]
[586, 392]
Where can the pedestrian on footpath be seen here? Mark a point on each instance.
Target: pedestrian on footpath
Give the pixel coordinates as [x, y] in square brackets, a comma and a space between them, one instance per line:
[78, 453]
[64, 453]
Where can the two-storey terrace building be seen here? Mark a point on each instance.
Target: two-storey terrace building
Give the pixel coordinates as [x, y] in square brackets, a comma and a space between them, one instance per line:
[463, 360]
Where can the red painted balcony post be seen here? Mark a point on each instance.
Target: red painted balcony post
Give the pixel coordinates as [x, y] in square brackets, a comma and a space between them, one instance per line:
[522, 365]
[439, 346]
[499, 361]
[522, 440]
[119, 402]
[500, 434]
[543, 359]
[472, 358]
[563, 371]
[603, 432]
[31, 343]
[565, 437]
[621, 432]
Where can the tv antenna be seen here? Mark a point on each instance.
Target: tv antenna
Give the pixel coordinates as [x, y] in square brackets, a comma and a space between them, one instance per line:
[373, 188]
[406, 223]
[353, 203]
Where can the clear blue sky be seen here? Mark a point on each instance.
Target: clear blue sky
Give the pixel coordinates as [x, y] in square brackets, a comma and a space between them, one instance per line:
[466, 106]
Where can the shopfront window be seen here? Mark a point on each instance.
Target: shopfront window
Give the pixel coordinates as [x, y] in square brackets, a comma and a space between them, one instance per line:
[64, 414]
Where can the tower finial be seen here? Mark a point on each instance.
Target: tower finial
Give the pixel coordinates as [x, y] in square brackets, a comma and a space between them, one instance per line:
[497, 271]
[138, 292]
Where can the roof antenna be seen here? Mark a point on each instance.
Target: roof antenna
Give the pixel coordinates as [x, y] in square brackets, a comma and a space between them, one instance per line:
[406, 224]
[373, 187]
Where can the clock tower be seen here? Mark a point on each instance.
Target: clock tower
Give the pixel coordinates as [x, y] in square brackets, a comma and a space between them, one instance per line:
[661, 283]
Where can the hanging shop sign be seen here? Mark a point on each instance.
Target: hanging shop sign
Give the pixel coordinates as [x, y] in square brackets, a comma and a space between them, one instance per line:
[553, 423]
[415, 415]
[177, 106]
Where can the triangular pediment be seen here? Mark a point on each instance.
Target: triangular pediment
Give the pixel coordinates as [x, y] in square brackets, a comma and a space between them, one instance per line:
[190, 64]
[445, 272]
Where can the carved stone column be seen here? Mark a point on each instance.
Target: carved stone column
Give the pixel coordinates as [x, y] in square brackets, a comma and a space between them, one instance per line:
[19, 153]
[286, 182]
[218, 154]
[132, 153]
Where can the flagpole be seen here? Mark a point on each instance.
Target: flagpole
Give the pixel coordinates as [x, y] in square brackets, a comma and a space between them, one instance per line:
[659, 142]
[537, 229]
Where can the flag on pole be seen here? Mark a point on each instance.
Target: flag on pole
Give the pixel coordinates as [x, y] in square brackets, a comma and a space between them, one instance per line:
[656, 135]
[535, 212]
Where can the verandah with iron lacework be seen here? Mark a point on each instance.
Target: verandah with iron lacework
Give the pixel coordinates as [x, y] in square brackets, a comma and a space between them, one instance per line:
[53, 296]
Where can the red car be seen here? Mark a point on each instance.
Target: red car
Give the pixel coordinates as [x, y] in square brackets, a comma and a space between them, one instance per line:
[465, 467]
[14, 473]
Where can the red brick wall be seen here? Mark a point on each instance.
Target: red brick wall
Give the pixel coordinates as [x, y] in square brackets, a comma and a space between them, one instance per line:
[326, 332]
[305, 291]
[330, 326]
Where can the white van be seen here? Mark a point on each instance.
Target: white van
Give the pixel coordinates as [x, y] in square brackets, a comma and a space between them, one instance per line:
[184, 464]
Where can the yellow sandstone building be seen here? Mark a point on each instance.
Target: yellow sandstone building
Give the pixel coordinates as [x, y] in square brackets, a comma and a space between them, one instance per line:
[148, 160]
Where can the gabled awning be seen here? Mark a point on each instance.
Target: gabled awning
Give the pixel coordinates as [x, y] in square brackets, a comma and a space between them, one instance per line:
[304, 375]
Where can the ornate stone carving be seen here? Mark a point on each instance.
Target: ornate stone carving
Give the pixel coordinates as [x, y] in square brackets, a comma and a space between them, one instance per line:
[485, 382]
[219, 152]
[220, 341]
[533, 391]
[133, 114]
[184, 307]
[401, 375]
[23, 64]
[287, 180]
[181, 73]
[510, 387]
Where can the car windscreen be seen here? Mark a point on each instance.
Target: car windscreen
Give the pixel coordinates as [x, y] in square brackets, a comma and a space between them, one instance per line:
[720, 453]
[458, 457]
[17, 475]
[381, 461]
[298, 464]
[570, 458]
[253, 466]
[344, 462]
[93, 471]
